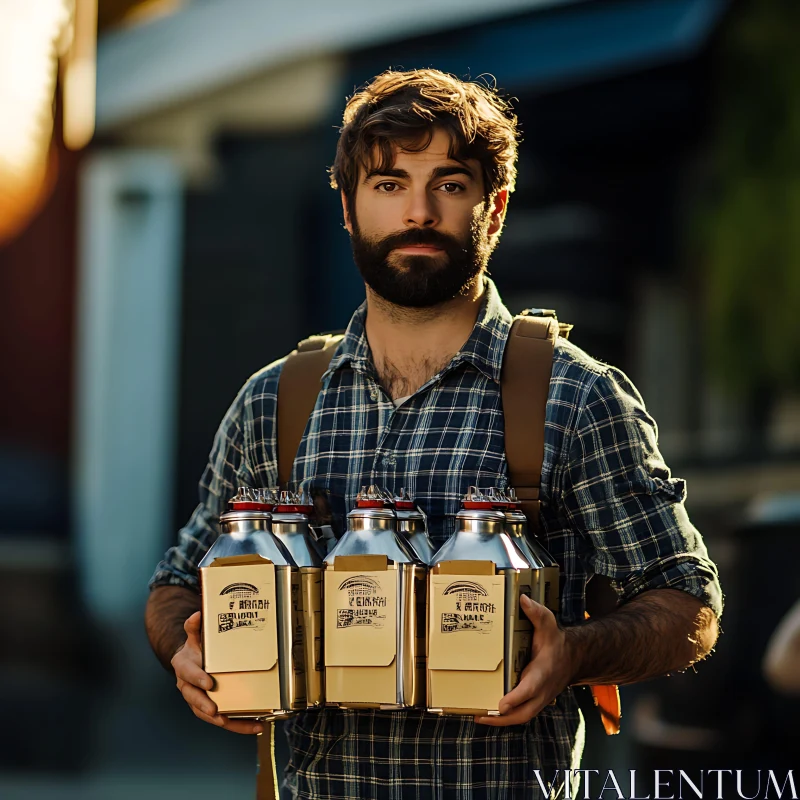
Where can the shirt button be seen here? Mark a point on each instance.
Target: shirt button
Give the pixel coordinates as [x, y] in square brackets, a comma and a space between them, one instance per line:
[373, 393]
[389, 461]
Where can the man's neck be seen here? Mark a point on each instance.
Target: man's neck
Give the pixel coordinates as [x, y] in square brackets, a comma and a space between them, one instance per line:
[410, 345]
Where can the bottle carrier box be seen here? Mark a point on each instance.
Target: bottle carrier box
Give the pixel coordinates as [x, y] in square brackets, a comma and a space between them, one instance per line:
[252, 616]
[245, 650]
[546, 572]
[374, 592]
[478, 638]
[478, 644]
[290, 525]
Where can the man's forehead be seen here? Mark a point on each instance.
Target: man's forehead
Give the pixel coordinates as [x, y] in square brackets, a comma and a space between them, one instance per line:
[438, 151]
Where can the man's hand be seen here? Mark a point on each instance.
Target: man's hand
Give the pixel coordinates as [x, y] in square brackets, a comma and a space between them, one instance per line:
[193, 683]
[547, 675]
[657, 632]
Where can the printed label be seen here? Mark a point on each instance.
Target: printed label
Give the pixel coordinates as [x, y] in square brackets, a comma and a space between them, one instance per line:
[471, 609]
[366, 603]
[245, 608]
[467, 622]
[240, 632]
[360, 611]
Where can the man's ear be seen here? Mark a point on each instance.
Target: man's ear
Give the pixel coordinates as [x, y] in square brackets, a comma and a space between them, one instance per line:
[346, 212]
[498, 202]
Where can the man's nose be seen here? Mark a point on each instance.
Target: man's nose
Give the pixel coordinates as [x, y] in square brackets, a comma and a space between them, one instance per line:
[421, 210]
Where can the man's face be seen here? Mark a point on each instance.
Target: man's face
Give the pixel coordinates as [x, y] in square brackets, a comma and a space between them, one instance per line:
[422, 231]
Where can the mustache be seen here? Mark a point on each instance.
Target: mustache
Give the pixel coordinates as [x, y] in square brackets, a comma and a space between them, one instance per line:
[420, 236]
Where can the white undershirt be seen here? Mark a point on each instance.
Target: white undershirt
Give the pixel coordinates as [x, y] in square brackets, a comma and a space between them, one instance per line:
[400, 401]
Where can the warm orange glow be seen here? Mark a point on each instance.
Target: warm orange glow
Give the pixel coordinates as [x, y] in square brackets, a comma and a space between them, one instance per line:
[28, 60]
[149, 10]
[80, 77]
[32, 38]
[28, 41]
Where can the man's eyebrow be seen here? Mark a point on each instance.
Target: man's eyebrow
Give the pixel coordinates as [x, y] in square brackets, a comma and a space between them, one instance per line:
[436, 173]
[389, 172]
[446, 172]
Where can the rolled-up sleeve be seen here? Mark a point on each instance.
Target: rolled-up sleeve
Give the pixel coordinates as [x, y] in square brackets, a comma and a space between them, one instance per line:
[620, 495]
[227, 469]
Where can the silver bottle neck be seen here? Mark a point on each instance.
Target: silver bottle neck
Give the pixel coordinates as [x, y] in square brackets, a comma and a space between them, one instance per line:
[471, 520]
[245, 520]
[371, 519]
[516, 523]
[289, 522]
[248, 533]
[410, 521]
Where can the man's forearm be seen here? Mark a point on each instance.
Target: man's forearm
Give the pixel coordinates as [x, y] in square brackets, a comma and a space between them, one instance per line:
[659, 631]
[168, 607]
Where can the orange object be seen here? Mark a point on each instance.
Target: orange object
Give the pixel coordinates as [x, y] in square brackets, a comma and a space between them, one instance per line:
[606, 698]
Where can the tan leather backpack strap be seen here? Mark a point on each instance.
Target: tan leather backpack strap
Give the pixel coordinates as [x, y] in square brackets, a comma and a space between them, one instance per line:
[298, 388]
[524, 385]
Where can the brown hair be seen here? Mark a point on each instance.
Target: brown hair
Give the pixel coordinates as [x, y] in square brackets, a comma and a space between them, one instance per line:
[406, 107]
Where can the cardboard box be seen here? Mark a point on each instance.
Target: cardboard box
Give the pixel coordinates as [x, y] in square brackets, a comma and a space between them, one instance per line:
[421, 638]
[312, 587]
[361, 631]
[522, 631]
[551, 579]
[240, 634]
[472, 627]
[298, 643]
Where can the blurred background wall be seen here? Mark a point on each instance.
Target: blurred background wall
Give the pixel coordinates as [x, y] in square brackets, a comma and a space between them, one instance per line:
[196, 239]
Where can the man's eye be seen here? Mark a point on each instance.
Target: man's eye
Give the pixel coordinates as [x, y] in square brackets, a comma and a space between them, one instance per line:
[452, 188]
[389, 187]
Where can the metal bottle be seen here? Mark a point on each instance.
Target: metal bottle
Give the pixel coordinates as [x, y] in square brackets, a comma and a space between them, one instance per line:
[373, 582]
[290, 524]
[517, 525]
[412, 526]
[467, 606]
[262, 615]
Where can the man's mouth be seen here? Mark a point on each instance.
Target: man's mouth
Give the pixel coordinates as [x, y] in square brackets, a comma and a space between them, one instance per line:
[419, 249]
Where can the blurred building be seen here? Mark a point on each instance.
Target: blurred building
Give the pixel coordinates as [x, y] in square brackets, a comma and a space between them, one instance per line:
[231, 107]
[209, 243]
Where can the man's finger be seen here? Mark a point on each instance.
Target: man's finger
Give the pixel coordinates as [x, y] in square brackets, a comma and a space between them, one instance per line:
[192, 673]
[232, 725]
[193, 624]
[240, 725]
[525, 690]
[535, 612]
[197, 698]
[211, 718]
[519, 716]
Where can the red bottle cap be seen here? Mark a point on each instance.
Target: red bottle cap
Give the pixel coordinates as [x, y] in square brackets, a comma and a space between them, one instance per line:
[476, 500]
[247, 499]
[294, 503]
[371, 497]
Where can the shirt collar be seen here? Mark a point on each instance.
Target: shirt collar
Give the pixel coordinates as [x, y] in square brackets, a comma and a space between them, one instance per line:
[484, 348]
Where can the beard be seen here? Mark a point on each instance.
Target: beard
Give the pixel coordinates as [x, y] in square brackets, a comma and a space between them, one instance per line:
[422, 281]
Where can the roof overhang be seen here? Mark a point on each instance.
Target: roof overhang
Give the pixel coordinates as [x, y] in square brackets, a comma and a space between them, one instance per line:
[208, 45]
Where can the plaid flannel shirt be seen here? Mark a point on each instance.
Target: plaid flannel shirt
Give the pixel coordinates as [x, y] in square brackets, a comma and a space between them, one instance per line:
[609, 506]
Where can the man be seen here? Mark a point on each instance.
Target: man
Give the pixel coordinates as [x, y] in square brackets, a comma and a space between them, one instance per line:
[425, 164]
[781, 662]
